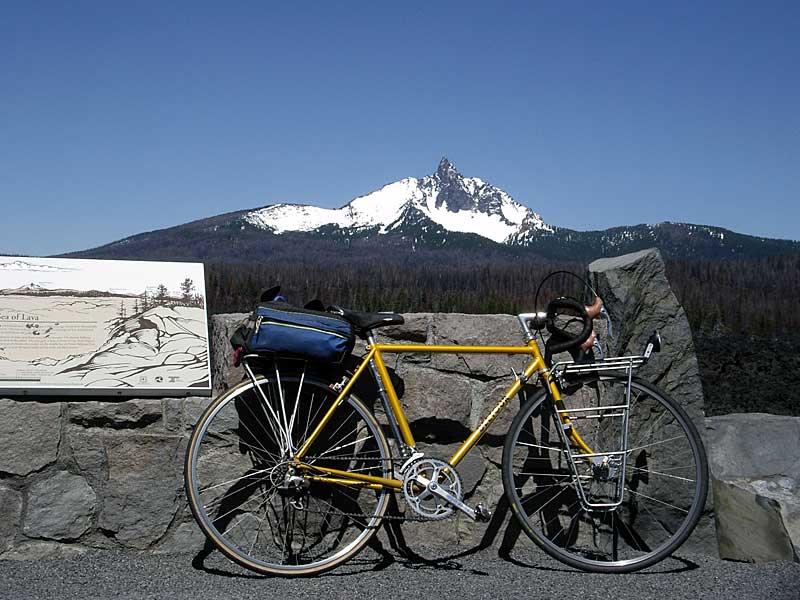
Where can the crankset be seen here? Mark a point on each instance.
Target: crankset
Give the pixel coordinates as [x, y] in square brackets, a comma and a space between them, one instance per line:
[433, 489]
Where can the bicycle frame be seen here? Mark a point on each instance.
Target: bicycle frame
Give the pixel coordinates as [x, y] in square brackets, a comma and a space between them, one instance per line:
[374, 359]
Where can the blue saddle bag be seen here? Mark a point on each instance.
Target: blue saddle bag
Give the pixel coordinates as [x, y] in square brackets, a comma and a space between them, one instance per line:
[281, 329]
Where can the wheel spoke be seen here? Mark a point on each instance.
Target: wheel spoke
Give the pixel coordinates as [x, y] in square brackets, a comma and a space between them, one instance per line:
[662, 496]
[268, 517]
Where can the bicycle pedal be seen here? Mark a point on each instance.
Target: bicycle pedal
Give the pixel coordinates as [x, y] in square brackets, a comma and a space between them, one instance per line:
[482, 513]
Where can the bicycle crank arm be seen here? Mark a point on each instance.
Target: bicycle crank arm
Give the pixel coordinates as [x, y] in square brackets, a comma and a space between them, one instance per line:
[437, 490]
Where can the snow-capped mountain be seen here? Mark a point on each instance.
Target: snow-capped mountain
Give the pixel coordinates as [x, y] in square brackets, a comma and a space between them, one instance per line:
[444, 216]
[448, 199]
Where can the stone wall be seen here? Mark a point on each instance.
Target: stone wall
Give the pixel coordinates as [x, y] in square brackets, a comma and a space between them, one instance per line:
[108, 474]
[94, 474]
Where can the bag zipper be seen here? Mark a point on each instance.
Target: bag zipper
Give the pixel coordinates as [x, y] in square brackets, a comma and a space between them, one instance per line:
[258, 325]
[339, 335]
[316, 314]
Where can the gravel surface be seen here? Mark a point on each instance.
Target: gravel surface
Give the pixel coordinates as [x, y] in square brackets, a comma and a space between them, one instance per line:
[527, 572]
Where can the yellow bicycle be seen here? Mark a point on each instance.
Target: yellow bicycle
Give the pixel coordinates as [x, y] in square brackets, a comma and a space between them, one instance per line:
[290, 473]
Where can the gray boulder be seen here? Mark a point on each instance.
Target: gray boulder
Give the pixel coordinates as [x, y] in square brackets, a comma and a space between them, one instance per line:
[637, 294]
[442, 390]
[753, 445]
[59, 507]
[144, 487]
[432, 394]
[758, 520]
[186, 538]
[476, 330]
[88, 453]
[130, 414]
[29, 435]
[10, 511]
[755, 468]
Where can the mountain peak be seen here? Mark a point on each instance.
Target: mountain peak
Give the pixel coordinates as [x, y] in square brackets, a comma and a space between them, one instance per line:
[446, 171]
[447, 201]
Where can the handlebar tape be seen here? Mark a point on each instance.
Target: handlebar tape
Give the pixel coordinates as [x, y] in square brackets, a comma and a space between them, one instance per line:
[571, 342]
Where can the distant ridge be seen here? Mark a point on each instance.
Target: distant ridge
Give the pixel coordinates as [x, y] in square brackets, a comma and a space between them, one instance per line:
[418, 218]
[33, 289]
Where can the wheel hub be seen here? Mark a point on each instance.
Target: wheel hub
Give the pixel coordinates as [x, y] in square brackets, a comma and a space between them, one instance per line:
[606, 470]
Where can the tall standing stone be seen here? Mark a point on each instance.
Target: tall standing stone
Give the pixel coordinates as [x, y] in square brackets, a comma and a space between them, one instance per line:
[637, 294]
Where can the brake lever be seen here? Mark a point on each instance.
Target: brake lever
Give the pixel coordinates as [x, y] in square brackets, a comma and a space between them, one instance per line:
[599, 347]
[604, 313]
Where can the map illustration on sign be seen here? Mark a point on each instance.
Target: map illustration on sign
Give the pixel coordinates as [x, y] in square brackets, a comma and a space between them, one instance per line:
[102, 327]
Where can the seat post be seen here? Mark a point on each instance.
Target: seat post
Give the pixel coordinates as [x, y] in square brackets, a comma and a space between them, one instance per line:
[405, 451]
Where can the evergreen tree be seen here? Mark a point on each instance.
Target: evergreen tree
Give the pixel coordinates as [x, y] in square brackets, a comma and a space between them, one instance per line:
[161, 294]
[187, 287]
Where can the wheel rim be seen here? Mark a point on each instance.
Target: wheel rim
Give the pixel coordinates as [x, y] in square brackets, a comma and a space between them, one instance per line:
[244, 496]
[665, 479]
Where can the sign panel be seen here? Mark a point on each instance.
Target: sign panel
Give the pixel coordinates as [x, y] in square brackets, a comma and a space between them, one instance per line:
[102, 327]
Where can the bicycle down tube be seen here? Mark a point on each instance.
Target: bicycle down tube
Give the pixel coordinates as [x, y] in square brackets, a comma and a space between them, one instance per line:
[536, 366]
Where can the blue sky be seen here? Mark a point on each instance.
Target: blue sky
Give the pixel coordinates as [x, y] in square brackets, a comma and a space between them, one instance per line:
[118, 118]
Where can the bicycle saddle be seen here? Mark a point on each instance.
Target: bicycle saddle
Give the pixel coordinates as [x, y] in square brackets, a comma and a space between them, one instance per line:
[363, 321]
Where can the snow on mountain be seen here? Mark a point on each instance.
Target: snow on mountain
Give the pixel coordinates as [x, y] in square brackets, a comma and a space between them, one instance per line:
[18, 265]
[457, 203]
[30, 288]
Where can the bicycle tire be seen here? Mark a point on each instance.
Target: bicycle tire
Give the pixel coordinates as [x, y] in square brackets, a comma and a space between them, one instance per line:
[666, 478]
[235, 477]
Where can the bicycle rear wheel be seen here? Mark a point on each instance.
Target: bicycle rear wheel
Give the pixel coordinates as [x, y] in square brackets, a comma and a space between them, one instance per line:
[665, 481]
[253, 507]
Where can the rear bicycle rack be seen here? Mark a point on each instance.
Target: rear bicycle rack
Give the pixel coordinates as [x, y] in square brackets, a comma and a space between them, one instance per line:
[603, 465]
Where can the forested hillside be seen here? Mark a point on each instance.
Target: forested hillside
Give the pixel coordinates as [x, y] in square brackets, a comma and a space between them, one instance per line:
[745, 315]
[753, 297]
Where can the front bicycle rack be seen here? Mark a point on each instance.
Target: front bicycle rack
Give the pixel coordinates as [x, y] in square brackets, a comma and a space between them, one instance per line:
[600, 474]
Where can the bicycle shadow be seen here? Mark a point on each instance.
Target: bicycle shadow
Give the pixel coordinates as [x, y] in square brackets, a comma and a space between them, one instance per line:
[402, 554]
[508, 540]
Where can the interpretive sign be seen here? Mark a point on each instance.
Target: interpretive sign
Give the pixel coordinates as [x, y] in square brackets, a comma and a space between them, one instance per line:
[102, 327]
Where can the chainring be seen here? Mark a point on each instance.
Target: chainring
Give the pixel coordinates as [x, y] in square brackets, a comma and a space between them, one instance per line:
[421, 500]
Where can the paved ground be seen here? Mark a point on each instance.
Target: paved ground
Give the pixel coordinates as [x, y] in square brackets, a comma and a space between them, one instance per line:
[432, 573]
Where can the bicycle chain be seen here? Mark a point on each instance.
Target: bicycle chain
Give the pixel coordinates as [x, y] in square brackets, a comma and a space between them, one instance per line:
[385, 517]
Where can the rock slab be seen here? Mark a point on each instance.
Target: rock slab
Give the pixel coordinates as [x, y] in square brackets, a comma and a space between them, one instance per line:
[60, 507]
[29, 435]
[754, 460]
[758, 520]
[10, 511]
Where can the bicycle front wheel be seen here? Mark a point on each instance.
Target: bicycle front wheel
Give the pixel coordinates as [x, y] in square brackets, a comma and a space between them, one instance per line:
[568, 511]
[248, 500]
